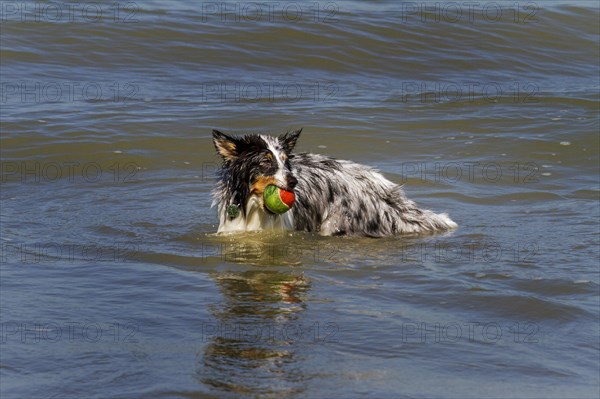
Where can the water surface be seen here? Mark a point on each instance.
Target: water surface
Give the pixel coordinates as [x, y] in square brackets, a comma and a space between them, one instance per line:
[114, 285]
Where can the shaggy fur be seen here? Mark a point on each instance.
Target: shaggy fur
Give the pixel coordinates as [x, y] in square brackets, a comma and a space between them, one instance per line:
[333, 197]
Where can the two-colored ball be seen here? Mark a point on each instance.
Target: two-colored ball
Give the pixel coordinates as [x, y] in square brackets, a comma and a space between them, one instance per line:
[278, 200]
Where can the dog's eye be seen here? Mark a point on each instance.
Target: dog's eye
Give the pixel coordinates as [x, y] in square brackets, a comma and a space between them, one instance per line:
[267, 160]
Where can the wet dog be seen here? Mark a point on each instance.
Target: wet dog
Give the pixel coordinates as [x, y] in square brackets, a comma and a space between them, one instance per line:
[332, 197]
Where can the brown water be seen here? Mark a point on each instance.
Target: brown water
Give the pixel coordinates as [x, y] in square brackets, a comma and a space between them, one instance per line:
[114, 286]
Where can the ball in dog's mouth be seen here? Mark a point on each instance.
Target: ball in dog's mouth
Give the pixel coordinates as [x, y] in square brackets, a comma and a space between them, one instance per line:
[278, 200]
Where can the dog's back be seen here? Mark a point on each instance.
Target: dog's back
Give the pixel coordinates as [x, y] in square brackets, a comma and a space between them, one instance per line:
[335, 197]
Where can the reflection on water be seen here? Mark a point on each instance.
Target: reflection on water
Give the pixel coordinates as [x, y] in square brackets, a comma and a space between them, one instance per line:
[252, 346]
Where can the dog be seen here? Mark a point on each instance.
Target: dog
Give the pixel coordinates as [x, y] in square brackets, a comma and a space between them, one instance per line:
[332, 197]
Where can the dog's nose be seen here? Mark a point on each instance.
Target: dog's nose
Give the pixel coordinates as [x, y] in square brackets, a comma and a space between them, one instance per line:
[292, 182]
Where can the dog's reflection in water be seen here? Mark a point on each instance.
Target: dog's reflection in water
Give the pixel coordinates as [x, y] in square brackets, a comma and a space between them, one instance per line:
[253, 343]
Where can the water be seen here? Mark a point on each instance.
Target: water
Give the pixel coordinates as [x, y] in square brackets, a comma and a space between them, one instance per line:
[114, 285]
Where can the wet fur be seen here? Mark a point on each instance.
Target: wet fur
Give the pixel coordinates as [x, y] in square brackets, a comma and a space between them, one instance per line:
[333, 197]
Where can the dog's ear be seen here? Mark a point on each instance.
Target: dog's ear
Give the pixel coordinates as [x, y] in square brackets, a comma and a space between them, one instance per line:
[226, 146]
[288, 140]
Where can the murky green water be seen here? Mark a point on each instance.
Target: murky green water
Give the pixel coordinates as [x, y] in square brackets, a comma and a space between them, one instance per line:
[114, 286]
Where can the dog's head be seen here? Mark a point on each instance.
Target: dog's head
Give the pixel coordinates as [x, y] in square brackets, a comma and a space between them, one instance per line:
[252, 162]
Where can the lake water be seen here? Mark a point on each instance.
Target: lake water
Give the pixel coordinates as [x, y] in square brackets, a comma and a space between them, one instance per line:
[115, 286]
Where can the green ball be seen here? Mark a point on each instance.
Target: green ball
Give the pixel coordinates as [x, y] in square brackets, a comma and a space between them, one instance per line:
[278, 200]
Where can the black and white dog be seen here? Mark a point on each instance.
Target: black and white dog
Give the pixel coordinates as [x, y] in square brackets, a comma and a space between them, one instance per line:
[333, 197]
